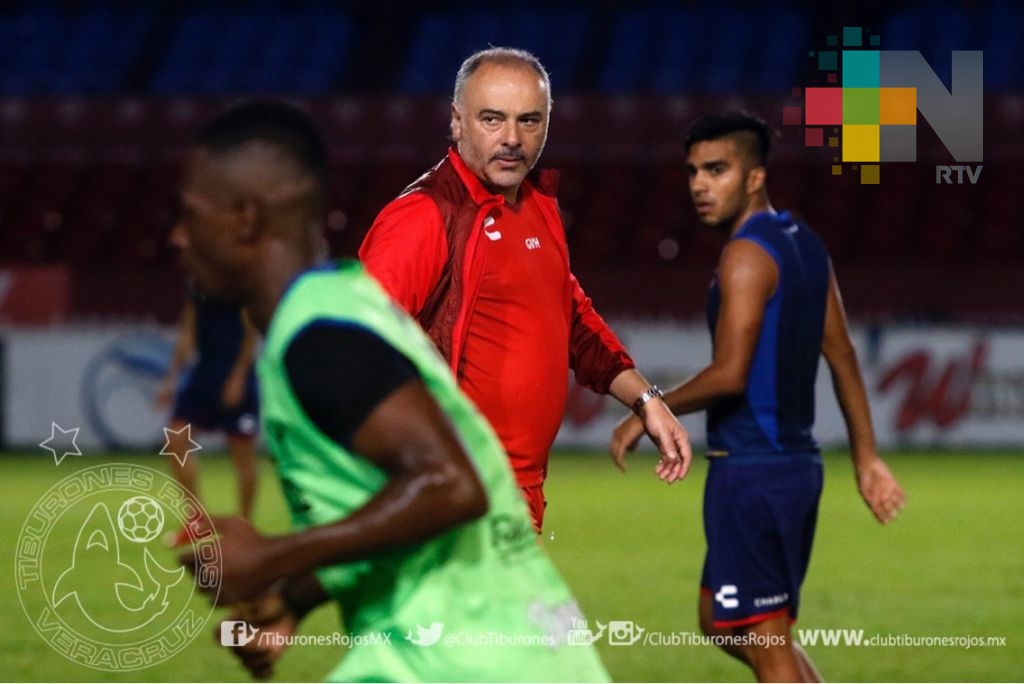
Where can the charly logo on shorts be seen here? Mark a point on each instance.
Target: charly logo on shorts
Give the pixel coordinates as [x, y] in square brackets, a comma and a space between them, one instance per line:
[94, 578]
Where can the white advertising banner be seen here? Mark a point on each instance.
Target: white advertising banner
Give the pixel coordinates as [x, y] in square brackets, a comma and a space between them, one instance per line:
[928, 386]
[101, 381]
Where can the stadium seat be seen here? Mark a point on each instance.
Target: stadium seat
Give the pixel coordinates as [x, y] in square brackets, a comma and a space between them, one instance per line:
[904, 29]
[729, 61]
[98, 98]
[998, 233]
[626, 59]
[607, 219]
[882, 220]
[1004, 52]
[39, 216]
[778, 59]
[445, 37]
[946, 221]
[663, 206]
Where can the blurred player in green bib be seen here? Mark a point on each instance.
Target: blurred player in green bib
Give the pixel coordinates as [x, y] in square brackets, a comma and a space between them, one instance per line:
[405, 509]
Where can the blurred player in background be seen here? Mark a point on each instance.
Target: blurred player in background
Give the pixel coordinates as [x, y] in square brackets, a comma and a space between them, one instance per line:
[476, 252]
[405, 508]
[219, 394]
[774, 308]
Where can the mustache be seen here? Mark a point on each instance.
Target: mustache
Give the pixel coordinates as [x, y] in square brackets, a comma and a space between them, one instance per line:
[509, 155]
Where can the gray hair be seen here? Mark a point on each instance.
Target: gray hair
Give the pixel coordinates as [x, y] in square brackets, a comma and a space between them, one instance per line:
[498, 55]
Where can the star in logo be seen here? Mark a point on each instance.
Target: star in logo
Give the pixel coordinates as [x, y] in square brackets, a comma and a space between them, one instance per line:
[169, 451]
[61, 444]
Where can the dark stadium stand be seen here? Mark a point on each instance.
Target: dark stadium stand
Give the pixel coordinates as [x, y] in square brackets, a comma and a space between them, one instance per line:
[97, 100]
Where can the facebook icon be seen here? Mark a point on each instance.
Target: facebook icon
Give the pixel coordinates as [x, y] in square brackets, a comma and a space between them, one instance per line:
[236, 633]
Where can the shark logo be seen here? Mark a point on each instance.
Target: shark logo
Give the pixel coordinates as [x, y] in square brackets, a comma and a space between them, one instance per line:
[87, 572]
[97, 554]
[426, 636]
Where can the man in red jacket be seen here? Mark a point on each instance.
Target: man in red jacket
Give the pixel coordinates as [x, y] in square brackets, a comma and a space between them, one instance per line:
[477, 253]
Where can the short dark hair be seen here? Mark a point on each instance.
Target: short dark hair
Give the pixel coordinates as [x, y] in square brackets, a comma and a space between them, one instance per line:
[715, 126]
[283, 125]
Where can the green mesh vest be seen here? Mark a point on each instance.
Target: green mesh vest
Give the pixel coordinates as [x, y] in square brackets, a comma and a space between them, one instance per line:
[503, 610]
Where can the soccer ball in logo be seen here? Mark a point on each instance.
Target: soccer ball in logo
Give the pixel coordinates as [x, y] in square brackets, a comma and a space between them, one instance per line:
[140, 519]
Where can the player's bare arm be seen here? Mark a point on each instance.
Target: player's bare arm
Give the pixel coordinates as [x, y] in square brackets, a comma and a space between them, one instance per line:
[233, 393]
[184, 345]
[747, 278]
[880, 490]
[432, 487]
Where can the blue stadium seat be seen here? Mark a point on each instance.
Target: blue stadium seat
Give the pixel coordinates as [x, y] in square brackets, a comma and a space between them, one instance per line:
[189, 51]
[728, 59]
[668, 49]
[423, 62]
[1004, 51]
[324, 42]
[679, 61]
[264, 47]
[783, 41]
[903, 30]
[951, 28]
[626, 59]
[50, 50]
[444, 38]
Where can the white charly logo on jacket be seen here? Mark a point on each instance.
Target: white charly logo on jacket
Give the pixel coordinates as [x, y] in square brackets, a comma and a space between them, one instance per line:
[491, 235]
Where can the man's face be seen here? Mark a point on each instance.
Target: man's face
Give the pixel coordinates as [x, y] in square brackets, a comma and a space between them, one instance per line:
[501, 124]
[720, 182]
[206, 229]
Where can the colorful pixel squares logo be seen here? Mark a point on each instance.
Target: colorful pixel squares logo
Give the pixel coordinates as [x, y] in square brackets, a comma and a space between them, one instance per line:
[869, 109]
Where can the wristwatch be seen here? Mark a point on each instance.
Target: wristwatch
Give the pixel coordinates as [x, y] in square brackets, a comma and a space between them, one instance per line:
[651, 392]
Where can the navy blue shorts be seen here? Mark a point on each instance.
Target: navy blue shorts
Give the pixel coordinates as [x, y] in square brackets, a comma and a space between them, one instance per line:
[759, 520]
[199, 403]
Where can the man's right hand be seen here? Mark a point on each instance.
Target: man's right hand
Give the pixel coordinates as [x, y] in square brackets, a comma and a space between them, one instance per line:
[261, 654]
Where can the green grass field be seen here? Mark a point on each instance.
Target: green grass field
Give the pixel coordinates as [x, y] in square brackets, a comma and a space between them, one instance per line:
[631, 547]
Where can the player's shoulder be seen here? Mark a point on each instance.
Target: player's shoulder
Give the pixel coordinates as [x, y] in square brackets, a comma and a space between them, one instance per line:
[773, 227]
[413, 207]
[807, 235]
[747, 257]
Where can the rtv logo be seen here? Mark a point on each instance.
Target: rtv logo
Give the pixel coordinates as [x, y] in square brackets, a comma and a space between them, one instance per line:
[870, 113]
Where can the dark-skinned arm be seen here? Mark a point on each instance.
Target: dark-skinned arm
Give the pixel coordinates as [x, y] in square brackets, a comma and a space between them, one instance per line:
[277, 616]
[432, 487]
